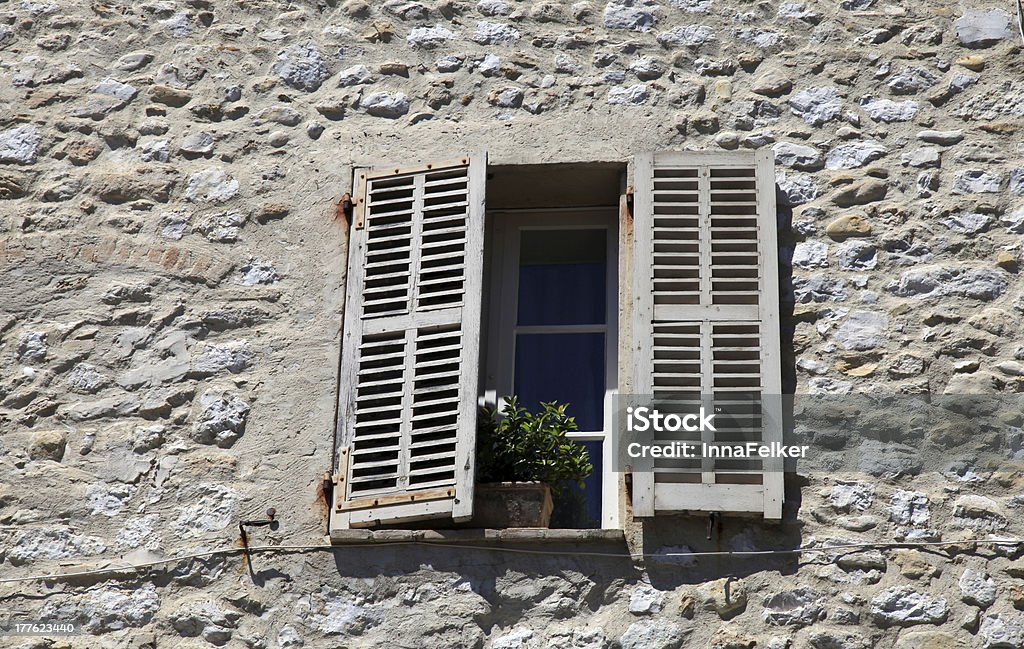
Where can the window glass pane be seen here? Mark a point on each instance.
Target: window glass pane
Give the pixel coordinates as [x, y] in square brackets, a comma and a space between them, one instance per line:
[576, 507]
[568, 368]
[562, 277]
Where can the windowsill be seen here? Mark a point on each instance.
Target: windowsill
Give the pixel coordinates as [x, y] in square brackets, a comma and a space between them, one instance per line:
[477, 536]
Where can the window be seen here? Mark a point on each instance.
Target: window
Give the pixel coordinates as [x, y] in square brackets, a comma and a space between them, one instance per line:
[417, 352]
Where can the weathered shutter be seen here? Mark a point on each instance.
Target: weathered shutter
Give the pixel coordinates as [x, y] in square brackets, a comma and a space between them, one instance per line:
[407, 411]
[707, 322]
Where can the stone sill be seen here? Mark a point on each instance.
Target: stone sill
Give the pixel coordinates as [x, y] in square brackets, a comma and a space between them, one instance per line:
[478, 536]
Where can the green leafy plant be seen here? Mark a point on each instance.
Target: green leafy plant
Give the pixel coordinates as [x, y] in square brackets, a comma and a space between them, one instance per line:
[524, 446]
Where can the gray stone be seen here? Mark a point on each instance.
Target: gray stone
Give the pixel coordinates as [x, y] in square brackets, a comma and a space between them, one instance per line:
[450, 63]
[945, 138]
[854, 155]
[909, 507]
[1002, 631]
[969, 223]
[798, 607]
[818, 289]
[355, 75]
[904, 606]
[761, 38]
[221, 418]
[798, 156]
[155, 151]
[793, 189]
[632, 95]
[911, 81]
[927, 156]
[984, 27]
[857, 255]
[978, 513]
[200, 143]
[959, 281]
[257, 271]
[107, 609]
[211, 185]
[147, 438]
[636, 15]
[856, 5]
[827, 385]
[647, 68]
[495, 33]
[687, 36]
[810, 254]
[646, 600]
[32, 347]
[493, 8]
[692, 6]
[508, 97]
[977, 588]
[798, 11]
[887, 110]
[888, 459]
[1016, 184]
[405, 10]
[428, 38]
[302, 67]
[816, 105]
[20, 145]
[133, 61]
[654, 634]
[851, 496]
[976, 181]
[489, 66]
[223, 227]
[86, 379]
[386, 104]
[51, 544]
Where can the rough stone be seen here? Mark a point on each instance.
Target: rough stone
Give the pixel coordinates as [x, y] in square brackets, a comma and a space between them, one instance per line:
[687, 36]
[656, 634]
[221, 418]
[984, 27]
[634, 15]
[816, 105]
[20, 145]
[302, 67]
[854, 155]
[852, 496]
[862, 330]
[495, 33]
[909, 507]
[887, 110]
[959, 281]
[48, 445]
[976, 181]
[904, 606]
[391, 105]
[810, 254]
[32, 347]
[798, 156]
[212, 185]
[727, 597]
[429, 38]
[977, 588]
[861, 192]
[798, 607]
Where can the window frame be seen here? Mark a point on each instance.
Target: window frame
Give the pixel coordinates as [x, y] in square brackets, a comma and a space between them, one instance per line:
[501, 249]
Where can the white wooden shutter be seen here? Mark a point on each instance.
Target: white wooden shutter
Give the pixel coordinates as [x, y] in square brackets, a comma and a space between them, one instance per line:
[409, 379]
[707, 322]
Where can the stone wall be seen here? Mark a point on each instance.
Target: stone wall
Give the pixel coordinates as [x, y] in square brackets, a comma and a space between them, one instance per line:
[172, 284]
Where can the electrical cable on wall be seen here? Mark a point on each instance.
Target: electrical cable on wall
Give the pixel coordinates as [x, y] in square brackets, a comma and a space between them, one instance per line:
[459, 546]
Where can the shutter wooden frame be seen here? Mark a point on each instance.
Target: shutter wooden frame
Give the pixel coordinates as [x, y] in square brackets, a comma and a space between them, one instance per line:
[697, 304]
[407, 323]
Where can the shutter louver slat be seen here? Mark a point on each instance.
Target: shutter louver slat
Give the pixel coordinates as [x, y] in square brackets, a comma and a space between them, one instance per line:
[407, 416]
[706, 285]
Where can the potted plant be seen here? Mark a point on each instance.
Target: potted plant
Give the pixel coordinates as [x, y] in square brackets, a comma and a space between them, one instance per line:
[521, 457]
